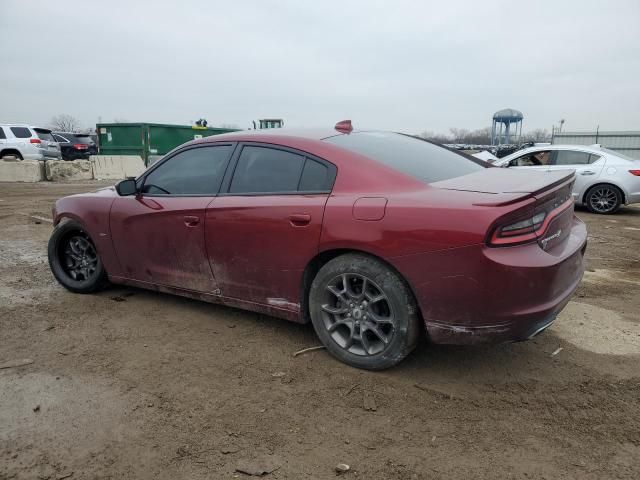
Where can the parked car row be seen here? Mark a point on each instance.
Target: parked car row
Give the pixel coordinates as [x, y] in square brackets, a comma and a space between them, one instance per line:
[26, 142]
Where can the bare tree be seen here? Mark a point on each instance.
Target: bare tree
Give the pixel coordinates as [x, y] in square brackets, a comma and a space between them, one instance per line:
[537, 135]
[65, 123]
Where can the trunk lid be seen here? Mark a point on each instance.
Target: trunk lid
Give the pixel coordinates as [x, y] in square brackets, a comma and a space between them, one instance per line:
[506, 183]
[542, 192]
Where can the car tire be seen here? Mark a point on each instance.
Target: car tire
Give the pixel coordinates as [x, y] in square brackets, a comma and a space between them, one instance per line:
[363, 312]
[74, 260]
[603, 199]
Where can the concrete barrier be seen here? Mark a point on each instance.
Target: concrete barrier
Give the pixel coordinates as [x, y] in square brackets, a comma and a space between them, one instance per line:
[61, 171]
[21, 171]
[116, 167]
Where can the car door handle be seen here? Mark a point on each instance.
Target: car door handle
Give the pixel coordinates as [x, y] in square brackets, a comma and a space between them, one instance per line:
[299, 219]
[588, 172]
[191, 221]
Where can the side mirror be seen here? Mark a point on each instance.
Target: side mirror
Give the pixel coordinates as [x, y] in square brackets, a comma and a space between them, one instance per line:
[127, 187]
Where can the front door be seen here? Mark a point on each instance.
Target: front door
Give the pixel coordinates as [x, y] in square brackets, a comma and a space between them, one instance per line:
[159, 235]
[264, 227]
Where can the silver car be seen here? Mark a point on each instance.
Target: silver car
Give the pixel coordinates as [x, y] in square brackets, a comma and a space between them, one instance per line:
[24, 142]
[605, 179]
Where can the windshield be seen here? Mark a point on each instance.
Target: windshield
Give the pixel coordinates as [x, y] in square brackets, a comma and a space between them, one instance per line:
[416, 157]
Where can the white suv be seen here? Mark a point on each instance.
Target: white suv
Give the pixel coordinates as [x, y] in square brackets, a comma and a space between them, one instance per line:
[28, 143]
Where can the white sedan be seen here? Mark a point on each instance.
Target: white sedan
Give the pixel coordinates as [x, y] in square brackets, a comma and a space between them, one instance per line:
[605, 179]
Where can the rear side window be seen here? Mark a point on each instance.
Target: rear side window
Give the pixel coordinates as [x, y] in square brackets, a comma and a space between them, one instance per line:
[266, 170]
[418, 158]
[2, 135]
[21, 132]
[573, 157]
[316, 177]
[197, 171]
[60, 138]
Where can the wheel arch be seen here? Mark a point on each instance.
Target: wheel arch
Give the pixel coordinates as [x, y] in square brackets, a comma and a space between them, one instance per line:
[10, 151]
[321, 259]
[599, 184]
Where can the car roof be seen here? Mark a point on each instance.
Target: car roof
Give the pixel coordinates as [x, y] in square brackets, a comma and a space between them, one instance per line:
[25, 125]
[273, 134]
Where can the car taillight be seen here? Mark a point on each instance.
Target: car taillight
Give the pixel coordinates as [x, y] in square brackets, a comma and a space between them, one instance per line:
[635, 172]
[80, 146]
[523, 226]
[527, 229]
[35, 140]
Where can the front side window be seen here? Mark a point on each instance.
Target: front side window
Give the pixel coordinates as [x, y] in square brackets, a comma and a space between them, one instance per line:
[21, 132]
[197, 171]
[534, 159]
[574, 157]
[266, 170]
[2, 135]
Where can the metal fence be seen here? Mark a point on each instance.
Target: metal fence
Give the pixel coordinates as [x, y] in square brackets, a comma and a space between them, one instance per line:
[627, 143]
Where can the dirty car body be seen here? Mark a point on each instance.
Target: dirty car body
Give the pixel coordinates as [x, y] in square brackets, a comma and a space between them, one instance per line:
[486, 254]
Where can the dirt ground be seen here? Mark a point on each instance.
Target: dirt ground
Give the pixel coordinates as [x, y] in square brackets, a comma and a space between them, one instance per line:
[134, 384]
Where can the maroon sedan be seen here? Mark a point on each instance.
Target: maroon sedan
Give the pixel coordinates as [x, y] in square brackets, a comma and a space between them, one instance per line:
[370, 235]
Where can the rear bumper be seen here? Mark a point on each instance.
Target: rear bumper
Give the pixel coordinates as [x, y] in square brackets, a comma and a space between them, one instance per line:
[475, 295]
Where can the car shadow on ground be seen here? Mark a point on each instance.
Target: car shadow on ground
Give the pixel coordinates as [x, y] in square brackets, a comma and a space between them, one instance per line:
[428, 363]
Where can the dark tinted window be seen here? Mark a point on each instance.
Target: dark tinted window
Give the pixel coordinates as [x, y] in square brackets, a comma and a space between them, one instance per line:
[60, 138]
[422, 160]
[86, 139]
[197, 171]
[316, 177]
[2, 135]
[266, 170]
[21, 132]
[573, 157]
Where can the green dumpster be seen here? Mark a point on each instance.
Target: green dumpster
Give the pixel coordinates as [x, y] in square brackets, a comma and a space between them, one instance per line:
[148, 140]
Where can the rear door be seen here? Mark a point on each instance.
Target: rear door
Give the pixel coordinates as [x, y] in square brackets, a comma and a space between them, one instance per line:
[264, 227]
[587, 166]
[159, 235]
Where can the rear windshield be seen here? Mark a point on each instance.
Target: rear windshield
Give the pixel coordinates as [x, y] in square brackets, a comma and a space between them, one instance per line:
[420, 159]
[83, 139]
[44, 135]
[618, 154]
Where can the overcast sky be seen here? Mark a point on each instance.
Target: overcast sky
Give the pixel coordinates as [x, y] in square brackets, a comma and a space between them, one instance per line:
[406, 66]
